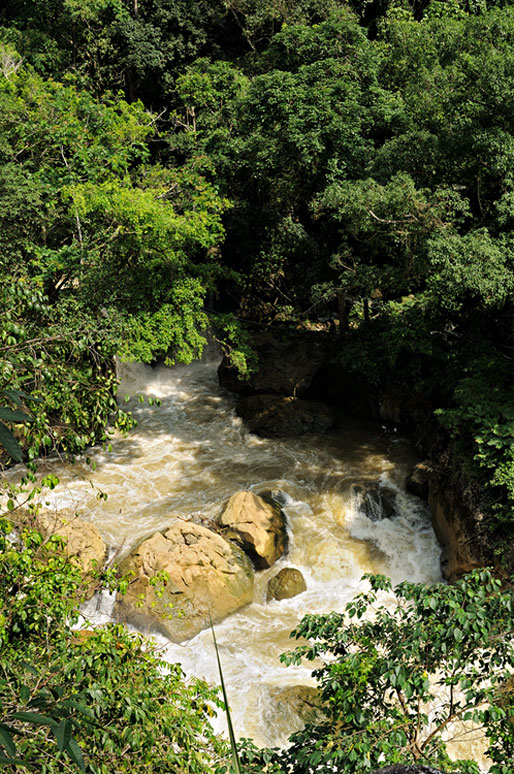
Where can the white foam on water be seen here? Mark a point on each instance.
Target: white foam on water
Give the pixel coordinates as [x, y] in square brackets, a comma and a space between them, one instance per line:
[189, 456]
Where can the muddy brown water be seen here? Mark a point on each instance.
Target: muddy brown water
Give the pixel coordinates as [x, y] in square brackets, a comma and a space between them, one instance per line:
[187, 456]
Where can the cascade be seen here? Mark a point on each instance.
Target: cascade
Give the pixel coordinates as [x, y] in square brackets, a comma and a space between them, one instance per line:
[343, 495]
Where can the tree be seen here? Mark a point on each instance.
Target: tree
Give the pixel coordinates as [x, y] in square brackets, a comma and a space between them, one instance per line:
[398, 677]
[102, 252]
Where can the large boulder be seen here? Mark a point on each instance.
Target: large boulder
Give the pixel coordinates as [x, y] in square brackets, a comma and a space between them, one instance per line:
[287, 362]
[257, 525]
[182, 577]
[84, 546]
[288, 583]
[276, 416]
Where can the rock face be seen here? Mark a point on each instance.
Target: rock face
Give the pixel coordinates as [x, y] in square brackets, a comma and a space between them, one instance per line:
[288, 361]
[257, 526]
[288, 583]
[376, 500]
[207, 574]
[275, 416]
[457, 522]
[84, 545]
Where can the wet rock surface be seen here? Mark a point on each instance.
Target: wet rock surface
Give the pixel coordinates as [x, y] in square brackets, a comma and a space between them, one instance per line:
[418, 481]
[459, 523]
[288, 361]
[257, 525]
[207, 576]
[376, 500]
[288, 583]
[276, 416]
[303, 700]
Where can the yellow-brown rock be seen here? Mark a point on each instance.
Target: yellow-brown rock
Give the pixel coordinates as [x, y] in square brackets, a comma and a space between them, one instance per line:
[257, 525]
[205, 575]
[301, 700]
[288, 583]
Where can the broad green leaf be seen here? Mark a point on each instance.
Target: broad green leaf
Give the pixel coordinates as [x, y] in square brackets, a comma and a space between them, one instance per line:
[10, 444]
[14, 416]
[75, 754]
[82, 708]
[35, 717]
[62, 733]
[12, 761]
[6, 740]
[15, 396]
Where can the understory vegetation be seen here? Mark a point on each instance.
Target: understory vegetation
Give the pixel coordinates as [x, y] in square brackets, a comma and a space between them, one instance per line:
[167, 166]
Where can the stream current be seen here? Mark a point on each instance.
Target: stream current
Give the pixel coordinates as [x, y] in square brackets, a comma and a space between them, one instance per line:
[188, 456]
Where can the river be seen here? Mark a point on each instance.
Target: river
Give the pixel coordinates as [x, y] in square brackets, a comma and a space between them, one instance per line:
[188, 456]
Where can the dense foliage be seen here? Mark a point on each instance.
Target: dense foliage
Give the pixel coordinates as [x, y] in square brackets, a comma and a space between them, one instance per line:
[400, 681]
[278, 160]
[402, 674]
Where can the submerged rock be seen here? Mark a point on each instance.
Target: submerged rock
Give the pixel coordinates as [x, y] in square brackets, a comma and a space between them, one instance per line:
[258, 526]
[288, 583]
[302, 700]
[206, 576]
[376, 500]
[273, 415]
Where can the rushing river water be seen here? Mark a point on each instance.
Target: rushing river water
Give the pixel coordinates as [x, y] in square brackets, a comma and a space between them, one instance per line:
[188, 456]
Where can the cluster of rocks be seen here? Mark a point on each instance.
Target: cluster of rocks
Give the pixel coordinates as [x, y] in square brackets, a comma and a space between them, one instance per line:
[189, 574]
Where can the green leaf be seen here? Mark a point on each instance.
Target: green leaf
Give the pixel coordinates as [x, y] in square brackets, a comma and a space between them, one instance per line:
[14, 416]
[24, 693]
[6, 740]
[75, 754]
[12, 761]
[82, 708]
[62, 733]
[35, 717]
[15, 396]
[10, 444]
